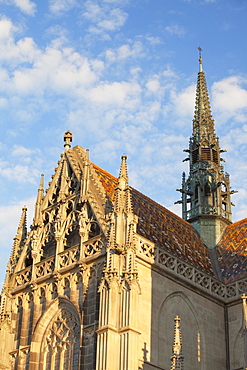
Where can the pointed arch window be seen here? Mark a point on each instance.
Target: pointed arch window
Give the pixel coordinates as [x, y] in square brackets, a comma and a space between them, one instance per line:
[61, 344]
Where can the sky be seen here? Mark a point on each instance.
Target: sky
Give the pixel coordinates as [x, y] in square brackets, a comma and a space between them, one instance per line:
[121, 76]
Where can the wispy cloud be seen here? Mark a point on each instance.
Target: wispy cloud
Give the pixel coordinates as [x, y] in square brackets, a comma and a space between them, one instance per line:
[105, 17]
[26, 6]
[176, 30]
[123, 52]
[58, 7]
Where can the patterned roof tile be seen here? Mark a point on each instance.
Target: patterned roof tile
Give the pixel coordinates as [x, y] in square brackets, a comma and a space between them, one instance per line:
[232, 251]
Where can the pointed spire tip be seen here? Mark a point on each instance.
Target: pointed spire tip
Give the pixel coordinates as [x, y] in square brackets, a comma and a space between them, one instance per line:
[200, 58]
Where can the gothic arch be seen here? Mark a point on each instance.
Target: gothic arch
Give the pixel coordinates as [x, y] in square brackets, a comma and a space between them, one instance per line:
[193, 347]
[61, 313]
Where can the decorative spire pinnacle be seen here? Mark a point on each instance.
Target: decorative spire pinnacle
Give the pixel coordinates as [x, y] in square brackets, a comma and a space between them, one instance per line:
[39, 200]
[123, 175]
[124, 216]
[67, 140]
[177, 358]
[20, 237]
[85, 177]
[22, 228]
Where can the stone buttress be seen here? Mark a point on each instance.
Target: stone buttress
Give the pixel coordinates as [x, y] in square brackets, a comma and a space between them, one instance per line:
[119, 287]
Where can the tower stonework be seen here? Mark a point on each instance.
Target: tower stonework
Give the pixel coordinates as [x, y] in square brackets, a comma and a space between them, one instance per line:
[206, 194]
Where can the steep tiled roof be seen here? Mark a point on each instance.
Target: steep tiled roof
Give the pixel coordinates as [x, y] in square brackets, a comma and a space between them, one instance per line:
[159, 225]
[232, 251]
[108, 181]
[164, 228]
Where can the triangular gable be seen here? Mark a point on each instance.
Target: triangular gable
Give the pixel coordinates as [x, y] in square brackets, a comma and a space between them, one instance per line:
[71, 211]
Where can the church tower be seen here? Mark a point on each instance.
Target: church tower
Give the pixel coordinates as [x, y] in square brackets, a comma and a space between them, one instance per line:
[206, 202]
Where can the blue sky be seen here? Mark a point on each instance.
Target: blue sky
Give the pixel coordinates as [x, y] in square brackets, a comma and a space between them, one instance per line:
[120, 75]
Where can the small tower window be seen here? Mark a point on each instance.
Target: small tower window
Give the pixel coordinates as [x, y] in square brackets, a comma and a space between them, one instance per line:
[195, 155]
[206, 154]
[215, 156]
[196, 193]
[207, 190]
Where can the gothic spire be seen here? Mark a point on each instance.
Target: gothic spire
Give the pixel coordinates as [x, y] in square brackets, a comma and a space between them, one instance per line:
[203, 123]
[206, 193]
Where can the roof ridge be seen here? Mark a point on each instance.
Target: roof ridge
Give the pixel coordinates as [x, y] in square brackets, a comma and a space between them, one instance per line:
[104, 171]
[238, 222]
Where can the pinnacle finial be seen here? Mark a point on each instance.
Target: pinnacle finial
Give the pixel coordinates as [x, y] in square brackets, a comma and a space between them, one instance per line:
[123, 175]
[177, 358]
[22, 228]
[67, 140]
[41, 184]
[39, 199]
[200, 58]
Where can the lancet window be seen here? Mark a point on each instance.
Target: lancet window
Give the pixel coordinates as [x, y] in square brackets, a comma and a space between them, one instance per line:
[61, 344]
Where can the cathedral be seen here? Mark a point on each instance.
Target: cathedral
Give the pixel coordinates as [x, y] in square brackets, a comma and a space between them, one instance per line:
[108, 279]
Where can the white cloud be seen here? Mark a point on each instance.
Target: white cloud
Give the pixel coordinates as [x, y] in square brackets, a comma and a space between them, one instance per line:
[154, 40]
[20, 174]
[116, 93]
[58, 70]
[26, 6]
[136, 50]
[229, 98]
[184, 101]
[20, 151]
[60, 6]
[104, 17]
[115, 19]
[6, 29]
[176, 30]
[21, 166]
[153, 85]
[14, 53]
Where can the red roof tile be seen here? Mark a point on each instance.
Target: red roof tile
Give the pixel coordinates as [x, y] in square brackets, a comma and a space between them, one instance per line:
[232, 251]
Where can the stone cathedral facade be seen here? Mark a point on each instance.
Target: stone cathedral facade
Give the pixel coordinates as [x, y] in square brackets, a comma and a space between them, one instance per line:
[107, 279]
